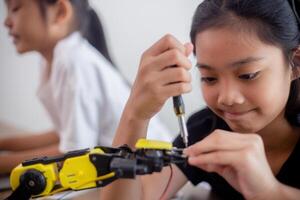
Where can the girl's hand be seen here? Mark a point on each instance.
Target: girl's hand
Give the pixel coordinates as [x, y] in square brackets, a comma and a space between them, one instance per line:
[163, 73]
[239, 158]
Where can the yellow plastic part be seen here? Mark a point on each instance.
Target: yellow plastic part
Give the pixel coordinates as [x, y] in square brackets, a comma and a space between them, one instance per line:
[153, 144]
[79, 172]
[49, 171]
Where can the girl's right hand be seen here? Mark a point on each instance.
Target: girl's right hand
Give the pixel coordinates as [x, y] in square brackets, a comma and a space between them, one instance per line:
[240, 159]
[163, 73]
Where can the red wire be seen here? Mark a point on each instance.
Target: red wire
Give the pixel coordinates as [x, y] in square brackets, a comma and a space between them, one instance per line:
[162, 197]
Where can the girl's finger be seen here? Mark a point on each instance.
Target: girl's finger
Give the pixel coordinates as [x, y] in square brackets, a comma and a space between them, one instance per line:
[176, 89]
[188, 48]
[224, 158]
[224, 140]
[164, 44]
[171, 58]
[217, 141]
[174, 75]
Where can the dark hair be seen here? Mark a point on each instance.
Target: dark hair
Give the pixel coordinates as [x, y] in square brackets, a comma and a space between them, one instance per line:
[273, 21]
[88, 23]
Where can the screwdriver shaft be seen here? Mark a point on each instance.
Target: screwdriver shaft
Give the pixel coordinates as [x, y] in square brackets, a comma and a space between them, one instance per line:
[180, 111]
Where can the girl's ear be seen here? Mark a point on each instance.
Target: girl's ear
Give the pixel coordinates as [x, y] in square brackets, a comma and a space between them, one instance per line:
[60, 13]
[64, 10]
[296, 64]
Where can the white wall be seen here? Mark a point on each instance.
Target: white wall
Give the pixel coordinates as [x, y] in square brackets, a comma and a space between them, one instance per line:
[131, 27]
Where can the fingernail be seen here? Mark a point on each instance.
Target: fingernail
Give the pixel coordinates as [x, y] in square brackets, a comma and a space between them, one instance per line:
[186, 151]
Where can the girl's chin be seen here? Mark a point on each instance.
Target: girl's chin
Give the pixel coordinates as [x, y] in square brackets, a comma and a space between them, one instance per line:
[20, 49]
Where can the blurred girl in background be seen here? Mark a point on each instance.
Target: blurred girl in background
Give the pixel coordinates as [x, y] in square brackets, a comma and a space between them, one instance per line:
[80, 87]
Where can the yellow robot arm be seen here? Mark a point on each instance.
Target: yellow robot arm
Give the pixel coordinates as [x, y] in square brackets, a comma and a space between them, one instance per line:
[90, 168]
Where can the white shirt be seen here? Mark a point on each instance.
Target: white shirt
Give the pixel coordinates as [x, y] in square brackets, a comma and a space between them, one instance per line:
[85, 96]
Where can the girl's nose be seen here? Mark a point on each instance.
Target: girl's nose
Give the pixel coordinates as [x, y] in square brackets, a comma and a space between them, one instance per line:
[230, 94]
[8, 22]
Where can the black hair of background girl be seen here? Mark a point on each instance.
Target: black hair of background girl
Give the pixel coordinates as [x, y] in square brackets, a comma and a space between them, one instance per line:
[273, 21]
[88, 24]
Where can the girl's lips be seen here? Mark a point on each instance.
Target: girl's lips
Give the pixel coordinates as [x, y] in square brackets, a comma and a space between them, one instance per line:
[233, 115]
[15, 38]
[14, 35]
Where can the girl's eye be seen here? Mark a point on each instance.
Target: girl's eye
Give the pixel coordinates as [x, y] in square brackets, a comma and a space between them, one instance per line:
[209, 80]
[15, 8]
[249, 76]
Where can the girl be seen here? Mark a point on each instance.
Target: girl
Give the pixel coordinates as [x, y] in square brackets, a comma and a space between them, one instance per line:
[246, 142]
[82, 91]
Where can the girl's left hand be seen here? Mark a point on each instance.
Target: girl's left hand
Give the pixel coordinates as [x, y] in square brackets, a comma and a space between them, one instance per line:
[239, 158]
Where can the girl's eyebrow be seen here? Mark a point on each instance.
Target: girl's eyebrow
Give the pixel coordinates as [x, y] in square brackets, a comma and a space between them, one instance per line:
[8, 2]
[234, 64]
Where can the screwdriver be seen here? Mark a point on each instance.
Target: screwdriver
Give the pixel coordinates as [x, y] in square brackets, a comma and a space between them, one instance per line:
[180, 111]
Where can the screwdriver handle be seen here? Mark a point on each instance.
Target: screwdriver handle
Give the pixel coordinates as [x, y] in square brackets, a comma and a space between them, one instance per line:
[178, 105]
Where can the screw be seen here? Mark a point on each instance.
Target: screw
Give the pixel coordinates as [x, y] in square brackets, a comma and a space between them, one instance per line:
[31, 183]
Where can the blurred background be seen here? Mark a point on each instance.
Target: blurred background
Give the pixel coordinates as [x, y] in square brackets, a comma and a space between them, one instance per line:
[131, 27]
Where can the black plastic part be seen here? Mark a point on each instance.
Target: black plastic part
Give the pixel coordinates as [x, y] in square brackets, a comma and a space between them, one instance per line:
[32, 182]
[153, 159]
[20, 193]
[124, 168]
[48, 160]
[178, 105]
[101, 163]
